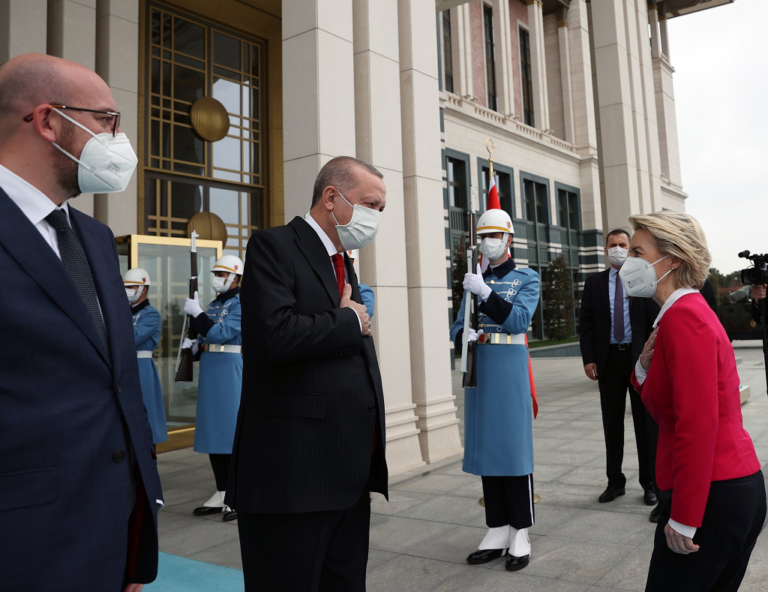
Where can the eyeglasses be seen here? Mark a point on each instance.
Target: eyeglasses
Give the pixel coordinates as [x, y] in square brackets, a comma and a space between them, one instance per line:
[115, 115]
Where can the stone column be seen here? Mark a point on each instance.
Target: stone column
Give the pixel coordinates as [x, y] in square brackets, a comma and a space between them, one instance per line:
[383, 263]
[585, 132]
[503, 48]
[649, 120]
[664, 34]
[653, 21]
[23, 28]
[117, 62]
[667, 121]
[538, 65]
[318, 93]
[618, 153]
[565, 73]
[428, 297]
[72, 36]
[462, 52]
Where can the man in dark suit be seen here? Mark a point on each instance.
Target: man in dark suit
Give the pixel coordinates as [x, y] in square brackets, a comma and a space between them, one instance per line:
[310, 440]
[606, 337]
[79, 489]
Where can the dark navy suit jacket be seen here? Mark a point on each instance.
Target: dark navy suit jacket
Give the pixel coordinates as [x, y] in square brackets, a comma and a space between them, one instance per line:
[66, 412]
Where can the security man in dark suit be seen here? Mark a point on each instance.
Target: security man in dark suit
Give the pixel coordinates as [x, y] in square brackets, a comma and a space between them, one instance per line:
[310, 439]
[757, 293]
[79, 489]
[606, 335]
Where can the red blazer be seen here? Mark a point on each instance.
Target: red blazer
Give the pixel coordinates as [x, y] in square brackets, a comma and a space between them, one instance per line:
[692, 391]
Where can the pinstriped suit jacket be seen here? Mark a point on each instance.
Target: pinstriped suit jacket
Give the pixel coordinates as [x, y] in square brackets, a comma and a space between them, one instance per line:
[63, 401]
[311, 384]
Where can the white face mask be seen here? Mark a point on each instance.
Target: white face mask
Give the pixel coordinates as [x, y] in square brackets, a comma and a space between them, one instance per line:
[221, 284]
[494, 248]
[639, 277]
[360, 230]
[617, 256]
[106, 163]
[134, 294]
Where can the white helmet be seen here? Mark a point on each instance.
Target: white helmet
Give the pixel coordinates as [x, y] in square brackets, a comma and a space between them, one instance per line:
[135, 277]
[353, 254]
[494, 221]
[228, 263]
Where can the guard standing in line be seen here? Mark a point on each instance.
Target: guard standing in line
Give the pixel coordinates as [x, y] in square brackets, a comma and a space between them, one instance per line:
[147, 326]
[366, 292]
[221, 375]
[498, 413]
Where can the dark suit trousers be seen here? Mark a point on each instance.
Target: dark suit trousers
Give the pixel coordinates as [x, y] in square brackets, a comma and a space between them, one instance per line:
[732, 521]
[306, 552]
[614, 383]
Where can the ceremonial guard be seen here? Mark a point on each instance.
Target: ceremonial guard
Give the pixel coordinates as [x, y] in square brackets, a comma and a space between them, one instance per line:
[146, 331]
[221, 375]
[498, 413]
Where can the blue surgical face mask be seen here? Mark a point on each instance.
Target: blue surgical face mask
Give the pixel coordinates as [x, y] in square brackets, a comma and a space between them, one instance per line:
[639, 277]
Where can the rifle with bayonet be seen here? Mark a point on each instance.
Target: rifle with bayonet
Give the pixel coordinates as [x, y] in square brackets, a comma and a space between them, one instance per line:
[468, 360]
[185, 359]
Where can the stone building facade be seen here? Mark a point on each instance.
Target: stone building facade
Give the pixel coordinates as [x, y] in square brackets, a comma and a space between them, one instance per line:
[577, 96]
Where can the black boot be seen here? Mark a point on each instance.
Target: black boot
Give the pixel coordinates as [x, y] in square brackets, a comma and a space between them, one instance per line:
[484, 556]
[613, 491]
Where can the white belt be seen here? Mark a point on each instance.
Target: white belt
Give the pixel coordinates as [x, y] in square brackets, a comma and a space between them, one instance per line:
[502, 339]
[144, 354]
[217, 348]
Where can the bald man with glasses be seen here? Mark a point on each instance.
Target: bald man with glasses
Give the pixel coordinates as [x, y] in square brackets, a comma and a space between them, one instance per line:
[79, 488]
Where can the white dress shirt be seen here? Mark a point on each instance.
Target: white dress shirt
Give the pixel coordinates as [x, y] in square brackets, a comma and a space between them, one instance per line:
[641, 374]
[330, 248]
[35, 205]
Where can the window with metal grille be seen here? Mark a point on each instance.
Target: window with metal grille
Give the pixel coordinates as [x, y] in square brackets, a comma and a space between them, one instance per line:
[490, 59]
[187, 58]
[447, 51]
[526, 76]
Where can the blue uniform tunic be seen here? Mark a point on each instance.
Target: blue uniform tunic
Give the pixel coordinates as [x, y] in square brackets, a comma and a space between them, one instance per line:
[498, 414]
[146, 331]
[369, 298]
[221, 375]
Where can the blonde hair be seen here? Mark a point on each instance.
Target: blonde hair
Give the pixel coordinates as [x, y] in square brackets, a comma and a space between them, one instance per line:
[680, 235]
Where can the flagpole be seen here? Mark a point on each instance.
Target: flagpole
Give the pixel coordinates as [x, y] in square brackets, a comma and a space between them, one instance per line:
[490, 147]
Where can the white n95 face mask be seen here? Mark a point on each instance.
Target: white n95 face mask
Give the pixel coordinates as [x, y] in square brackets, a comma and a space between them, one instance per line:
[493, 248]
[617, 256]
[360, 230]
[133, 294]
[639, 277]
[106, 163]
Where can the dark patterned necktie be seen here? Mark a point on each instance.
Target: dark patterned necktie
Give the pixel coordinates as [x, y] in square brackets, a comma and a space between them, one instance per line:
[618, 311]
[75, 262]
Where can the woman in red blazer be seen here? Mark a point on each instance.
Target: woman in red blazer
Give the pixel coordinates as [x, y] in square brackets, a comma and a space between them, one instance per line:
[713, 492]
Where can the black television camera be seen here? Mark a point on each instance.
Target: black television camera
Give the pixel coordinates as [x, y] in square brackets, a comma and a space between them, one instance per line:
[756, 275]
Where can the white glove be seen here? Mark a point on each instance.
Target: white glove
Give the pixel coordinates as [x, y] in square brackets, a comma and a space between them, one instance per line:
[192, 306]
[475, 283]
[190, 344]
[473, 335]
